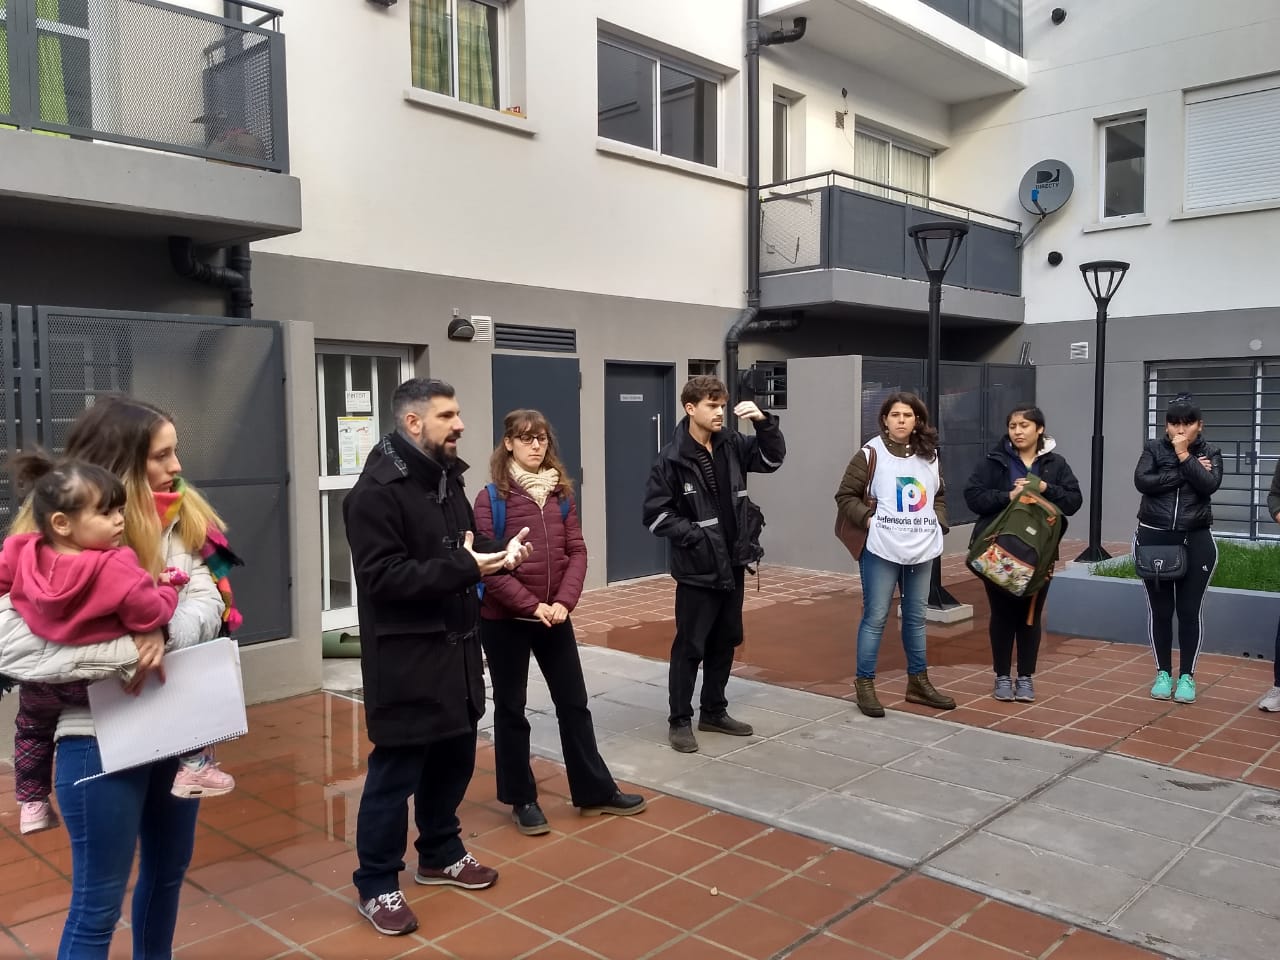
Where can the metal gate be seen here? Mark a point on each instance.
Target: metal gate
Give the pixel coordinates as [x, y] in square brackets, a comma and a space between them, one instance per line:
[223, 381]
[976, 398]
[1240, 401]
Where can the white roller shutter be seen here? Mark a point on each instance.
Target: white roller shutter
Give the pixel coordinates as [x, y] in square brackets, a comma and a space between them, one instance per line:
[1233, 149]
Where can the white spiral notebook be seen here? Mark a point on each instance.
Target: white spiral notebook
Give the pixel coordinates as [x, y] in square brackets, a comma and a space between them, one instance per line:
[200, 703]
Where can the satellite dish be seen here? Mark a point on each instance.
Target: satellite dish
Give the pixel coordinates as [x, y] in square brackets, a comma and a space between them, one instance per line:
[1046, 187]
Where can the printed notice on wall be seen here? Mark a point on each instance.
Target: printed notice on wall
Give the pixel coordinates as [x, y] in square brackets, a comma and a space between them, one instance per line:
[356, 437]
[359, 401]
[631, 397]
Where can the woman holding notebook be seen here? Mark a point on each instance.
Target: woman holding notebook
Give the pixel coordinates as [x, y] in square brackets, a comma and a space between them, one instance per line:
[167, 525]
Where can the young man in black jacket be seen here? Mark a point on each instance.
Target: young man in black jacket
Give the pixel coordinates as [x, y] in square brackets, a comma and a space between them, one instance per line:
[417, 562]
[696, 497]
[1271, 699]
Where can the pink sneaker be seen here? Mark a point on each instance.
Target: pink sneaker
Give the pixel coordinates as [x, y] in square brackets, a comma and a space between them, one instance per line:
[202, 780]
[36, 815]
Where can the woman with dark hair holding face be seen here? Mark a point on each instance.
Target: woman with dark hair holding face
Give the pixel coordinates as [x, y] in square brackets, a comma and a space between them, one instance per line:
[1177, 475]
[999, 478]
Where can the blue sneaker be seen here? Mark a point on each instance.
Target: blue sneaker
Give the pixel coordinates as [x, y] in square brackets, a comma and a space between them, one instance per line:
[1162, 689]
[1186, 692]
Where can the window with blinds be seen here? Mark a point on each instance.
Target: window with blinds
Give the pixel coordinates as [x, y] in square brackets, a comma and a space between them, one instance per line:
[1233, 142]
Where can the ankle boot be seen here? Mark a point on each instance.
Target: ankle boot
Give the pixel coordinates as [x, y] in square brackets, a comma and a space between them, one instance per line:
[868, 702]
[920, 690]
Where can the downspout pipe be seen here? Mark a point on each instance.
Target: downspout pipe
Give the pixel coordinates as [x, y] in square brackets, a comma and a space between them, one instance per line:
[755, 40]
[234, 277]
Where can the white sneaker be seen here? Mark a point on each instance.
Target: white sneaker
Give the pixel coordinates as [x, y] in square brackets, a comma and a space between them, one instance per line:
[1271, 701]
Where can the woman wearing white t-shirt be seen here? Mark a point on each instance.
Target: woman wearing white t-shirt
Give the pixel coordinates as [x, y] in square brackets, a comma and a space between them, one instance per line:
[905, 515]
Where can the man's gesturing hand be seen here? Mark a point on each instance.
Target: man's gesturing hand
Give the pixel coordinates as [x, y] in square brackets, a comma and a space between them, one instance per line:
[517, 550]
[748, 411]
[487, 562]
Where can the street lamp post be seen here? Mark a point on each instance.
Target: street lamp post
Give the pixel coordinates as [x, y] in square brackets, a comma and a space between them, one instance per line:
[1103, 278]
[937, 244]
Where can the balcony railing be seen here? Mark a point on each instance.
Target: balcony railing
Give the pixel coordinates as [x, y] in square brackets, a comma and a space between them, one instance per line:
[837, 221]
[148, 74]
[998, 20]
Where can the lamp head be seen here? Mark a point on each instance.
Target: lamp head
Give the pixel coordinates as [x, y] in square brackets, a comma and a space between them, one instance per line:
[937, 244]
[1103, 278]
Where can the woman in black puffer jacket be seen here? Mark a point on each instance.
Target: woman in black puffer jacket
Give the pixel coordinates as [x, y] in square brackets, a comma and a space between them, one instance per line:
[1177, 475]
[996, 480]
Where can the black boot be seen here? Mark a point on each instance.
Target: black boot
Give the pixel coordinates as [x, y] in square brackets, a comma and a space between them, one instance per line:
[620, 805]
[530, 819]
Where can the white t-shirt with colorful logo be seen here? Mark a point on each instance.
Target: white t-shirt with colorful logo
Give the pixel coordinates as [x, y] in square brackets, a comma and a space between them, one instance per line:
[905, 528]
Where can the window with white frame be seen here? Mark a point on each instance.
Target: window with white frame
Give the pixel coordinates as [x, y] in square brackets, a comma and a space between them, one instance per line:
[653, 101]
[1123, 167]
[458, 49]
[1233, 135]
[781, 137]
[883, 160]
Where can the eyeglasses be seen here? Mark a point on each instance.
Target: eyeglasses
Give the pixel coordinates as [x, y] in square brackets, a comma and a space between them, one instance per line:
[528, 439]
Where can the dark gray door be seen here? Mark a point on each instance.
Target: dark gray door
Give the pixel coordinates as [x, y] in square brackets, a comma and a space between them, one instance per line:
[639, 415]
[548, 384]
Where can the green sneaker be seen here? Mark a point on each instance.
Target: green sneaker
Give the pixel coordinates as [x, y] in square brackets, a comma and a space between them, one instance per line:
[1162, 689]
[1186, 692]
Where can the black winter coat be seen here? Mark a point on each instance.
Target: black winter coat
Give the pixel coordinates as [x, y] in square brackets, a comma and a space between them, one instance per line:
[678, 504]
[419, 646]
[1176, 495]
[987, 492]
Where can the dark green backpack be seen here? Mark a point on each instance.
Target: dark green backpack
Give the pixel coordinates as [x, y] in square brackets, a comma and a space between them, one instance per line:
[1018, 549]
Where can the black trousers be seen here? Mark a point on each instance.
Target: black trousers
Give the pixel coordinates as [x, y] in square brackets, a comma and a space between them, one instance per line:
[1014, 620]
[1276, 658]
[1184, 597]
[436, 775]
[708, 627]
[507, 646]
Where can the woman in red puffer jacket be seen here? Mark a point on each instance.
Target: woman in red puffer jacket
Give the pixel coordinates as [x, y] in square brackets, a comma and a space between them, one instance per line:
[527, 611]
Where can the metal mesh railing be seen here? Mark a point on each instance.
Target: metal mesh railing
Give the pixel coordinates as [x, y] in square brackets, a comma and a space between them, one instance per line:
[791, 231]
[149, 74]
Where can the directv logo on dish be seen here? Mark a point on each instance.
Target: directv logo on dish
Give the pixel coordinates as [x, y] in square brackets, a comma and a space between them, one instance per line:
[911, 495]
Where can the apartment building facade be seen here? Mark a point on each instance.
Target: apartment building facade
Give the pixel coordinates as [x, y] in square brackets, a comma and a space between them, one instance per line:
[547, 206]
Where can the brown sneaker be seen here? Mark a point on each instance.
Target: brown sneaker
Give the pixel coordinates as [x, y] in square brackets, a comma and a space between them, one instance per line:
[920, 690]
[467, 873]
[723, 723]
[389, 914]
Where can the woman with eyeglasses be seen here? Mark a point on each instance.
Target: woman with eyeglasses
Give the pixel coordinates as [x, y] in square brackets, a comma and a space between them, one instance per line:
[527, 612]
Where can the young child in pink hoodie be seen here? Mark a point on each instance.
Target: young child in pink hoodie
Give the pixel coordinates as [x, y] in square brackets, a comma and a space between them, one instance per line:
[73, 583]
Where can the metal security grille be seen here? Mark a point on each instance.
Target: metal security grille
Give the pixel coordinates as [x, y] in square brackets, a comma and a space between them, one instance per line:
[147, 73]
[223, 381]
[1240, 400]
[976, 398]
[512, 336]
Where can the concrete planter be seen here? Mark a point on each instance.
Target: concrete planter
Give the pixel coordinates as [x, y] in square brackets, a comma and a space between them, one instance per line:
[1236, 622]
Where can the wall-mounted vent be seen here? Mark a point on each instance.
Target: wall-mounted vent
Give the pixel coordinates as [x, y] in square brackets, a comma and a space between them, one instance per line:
[512, 336]
[1080, 350]
[484, 329]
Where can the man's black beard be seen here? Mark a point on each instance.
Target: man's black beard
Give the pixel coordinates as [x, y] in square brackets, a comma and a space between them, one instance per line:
[439, 453]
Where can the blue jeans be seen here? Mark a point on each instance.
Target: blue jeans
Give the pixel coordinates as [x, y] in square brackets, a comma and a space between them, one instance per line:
[109, 819]
[879, 577]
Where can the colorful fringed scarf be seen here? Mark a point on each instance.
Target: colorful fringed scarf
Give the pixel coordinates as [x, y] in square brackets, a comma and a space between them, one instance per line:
[216, 553]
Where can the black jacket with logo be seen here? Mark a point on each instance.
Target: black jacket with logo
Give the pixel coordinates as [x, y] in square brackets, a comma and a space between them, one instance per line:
[679, 505]
[1176, 495]
[419, 646]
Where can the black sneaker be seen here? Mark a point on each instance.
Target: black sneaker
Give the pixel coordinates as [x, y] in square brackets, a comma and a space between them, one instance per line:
[723, 723]
[389, 914]
[682, 739]
[620, 805]
[530, 819]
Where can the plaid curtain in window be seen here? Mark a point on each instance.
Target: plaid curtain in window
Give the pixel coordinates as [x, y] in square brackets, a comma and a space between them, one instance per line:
[476, 54]
[430, 41]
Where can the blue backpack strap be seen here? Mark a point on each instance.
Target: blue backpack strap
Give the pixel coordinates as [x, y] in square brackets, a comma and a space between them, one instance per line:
[565, 503]
[499, 508]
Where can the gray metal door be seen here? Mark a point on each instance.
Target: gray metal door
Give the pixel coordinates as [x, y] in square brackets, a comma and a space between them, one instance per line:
[548, 384]
[639, 415]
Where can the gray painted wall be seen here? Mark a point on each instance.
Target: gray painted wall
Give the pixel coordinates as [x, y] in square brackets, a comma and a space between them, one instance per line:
[357, 304]
[1065, 388]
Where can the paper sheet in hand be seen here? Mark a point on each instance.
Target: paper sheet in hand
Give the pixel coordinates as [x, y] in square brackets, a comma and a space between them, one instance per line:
[200, 703]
